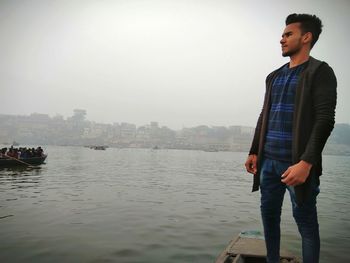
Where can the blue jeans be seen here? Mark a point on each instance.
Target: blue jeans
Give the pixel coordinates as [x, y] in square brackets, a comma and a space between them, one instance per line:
[305, 215]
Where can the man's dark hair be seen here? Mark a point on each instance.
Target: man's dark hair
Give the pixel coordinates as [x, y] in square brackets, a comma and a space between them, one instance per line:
[308, 23]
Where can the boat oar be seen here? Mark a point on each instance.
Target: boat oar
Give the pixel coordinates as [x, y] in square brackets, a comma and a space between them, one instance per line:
[18, 160]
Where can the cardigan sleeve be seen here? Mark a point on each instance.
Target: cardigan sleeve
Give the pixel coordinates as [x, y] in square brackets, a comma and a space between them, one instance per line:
[255, 143]
[324, 98]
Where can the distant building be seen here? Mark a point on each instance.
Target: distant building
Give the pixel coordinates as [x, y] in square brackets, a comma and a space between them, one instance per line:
[78, 116]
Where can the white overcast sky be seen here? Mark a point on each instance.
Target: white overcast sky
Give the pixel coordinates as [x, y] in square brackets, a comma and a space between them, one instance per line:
[179, 62]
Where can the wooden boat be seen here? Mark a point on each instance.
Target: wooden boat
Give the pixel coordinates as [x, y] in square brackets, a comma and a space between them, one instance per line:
[98, 147]
[11, 162]
[249, 247]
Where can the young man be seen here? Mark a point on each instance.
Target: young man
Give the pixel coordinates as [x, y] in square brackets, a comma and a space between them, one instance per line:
[292, 129]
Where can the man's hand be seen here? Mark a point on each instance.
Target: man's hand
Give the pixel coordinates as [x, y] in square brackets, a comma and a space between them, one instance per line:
[296, 174]
[250, 164]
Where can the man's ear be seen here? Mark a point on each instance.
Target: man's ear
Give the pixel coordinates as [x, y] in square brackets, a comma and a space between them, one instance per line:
[307, 37]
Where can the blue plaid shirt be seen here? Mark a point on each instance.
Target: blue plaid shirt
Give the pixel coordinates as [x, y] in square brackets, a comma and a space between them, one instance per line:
[278, 141]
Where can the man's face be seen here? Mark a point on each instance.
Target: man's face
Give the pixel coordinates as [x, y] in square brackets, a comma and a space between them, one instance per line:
[291, 41]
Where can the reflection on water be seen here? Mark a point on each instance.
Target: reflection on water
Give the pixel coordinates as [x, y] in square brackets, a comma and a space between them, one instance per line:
[19, 169]
[20, 177]
[134, 205]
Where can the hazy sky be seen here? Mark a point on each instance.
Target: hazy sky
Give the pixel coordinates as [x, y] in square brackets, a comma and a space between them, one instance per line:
[182, 62]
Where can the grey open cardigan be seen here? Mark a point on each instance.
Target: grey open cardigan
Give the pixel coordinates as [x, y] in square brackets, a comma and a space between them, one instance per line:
[313, 120]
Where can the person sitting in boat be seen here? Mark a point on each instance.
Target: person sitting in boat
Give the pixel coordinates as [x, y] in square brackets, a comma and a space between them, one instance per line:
[39, 152]
[33, 152]
[16, 153]
[3, 153]
[13, 153]
[28, 153]
[10, 152]
[24, 153]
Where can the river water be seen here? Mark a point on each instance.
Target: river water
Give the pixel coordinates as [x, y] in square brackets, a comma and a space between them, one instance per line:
[140, 205]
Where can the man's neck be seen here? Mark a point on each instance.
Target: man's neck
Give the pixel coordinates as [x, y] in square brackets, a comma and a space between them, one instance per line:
[298, 59]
